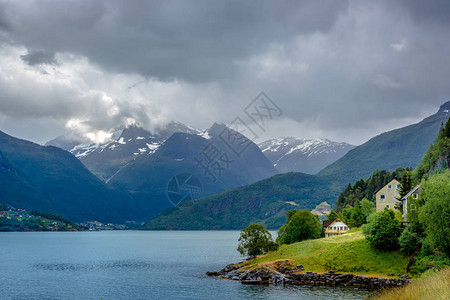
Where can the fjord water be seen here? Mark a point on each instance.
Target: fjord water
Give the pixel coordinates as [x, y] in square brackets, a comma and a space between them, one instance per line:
[132, 265]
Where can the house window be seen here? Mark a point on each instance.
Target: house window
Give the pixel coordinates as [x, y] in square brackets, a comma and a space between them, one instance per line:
[416, 196]
[382, 197]
[398, 186]
[387, 205]
[345, 227]
[389, 186]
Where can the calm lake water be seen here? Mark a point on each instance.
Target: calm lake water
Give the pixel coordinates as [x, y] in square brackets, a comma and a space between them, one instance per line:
[132, 265]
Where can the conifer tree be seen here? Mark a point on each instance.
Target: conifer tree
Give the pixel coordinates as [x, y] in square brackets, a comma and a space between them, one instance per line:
[406, 183]
[332, 215]
[358, 217]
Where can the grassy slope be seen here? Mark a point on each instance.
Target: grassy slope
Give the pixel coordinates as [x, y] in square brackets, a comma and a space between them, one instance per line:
[345, 253]
[436, 286]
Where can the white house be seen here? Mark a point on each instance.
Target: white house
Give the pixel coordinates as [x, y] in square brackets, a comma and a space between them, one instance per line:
[414, 193]
[336, 227]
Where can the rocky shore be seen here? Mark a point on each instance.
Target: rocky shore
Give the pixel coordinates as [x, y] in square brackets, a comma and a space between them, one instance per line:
[286, 272]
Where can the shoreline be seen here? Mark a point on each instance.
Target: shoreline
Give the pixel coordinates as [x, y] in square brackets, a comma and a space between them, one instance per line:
[285, 272]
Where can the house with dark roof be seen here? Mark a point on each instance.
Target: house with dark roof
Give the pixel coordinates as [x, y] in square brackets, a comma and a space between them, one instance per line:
[414, 193]
[336, 227]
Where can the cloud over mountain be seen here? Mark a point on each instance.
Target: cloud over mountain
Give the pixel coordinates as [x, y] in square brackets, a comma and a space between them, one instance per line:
[343, 70]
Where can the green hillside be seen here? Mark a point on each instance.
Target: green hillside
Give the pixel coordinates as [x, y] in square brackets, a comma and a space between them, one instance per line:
[403, 147]
[343, 253]
[266, 202]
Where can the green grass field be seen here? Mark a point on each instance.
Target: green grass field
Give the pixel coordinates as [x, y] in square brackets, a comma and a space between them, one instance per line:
[345, 253]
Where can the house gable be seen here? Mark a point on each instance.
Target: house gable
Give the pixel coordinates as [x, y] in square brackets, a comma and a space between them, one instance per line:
[336, 227]
[387, 196]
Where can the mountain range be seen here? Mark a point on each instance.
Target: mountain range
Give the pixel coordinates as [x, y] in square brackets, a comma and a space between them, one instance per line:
[402, 147]
[50, 179]
[144, 173]
[106, 159]
[207, 158]
[290, 154]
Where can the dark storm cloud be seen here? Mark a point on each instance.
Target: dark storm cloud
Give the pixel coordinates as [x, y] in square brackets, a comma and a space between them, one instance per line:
[436, 10]
[189, 40]
[38, 57]
[344, 70]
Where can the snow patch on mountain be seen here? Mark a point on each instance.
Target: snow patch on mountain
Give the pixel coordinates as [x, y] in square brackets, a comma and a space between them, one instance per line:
[302, 155]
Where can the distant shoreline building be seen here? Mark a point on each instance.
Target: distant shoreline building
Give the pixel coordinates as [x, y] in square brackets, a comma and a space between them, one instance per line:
[387, 196]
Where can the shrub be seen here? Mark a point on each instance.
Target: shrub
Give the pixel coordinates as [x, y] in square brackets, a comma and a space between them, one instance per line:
[408, 241]
[384, 230]
[301, 226]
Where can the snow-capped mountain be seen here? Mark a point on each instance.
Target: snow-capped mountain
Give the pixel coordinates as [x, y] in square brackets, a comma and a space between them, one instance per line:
[290, 154]
[104, 160]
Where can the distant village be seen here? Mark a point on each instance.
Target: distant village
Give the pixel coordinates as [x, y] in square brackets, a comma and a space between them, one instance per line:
[17, 219]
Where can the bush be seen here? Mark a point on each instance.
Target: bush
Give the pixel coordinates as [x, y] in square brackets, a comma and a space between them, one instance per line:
[408, 241]
[384, 230]
[427, 247]
[301, 226]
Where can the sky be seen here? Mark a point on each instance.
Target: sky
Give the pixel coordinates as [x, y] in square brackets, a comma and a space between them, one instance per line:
[342, 70]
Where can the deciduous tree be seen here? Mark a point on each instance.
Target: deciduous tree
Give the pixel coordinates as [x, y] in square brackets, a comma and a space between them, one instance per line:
[302, 225]
[383, 231]
[254, 240]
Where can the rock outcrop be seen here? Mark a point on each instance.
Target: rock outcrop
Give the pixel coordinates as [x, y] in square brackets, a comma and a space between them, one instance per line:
[286, 272]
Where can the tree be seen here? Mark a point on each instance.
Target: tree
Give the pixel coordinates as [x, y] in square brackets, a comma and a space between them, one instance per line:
[332, 216]
[432, 161]
[435, 214]
[254, 240]
[408, 241]
[302, 225]
[383, 231]
[406, 184]
[358, 218]
[289, 214]
[347, 213]
[367, 208]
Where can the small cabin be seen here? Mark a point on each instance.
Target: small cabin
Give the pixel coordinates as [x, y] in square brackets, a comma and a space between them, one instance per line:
[336, 227]
[387, 196]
